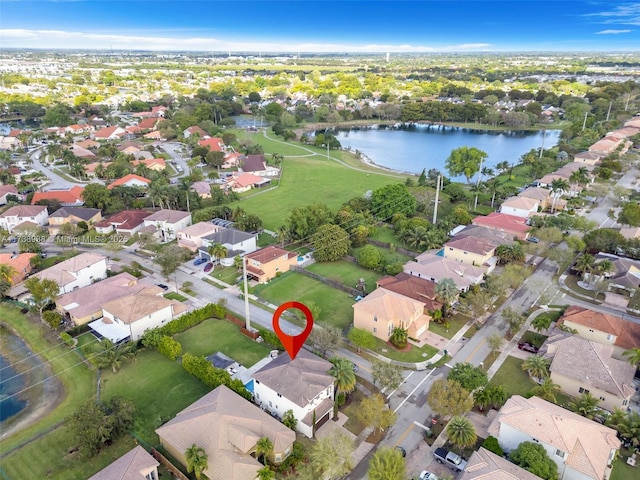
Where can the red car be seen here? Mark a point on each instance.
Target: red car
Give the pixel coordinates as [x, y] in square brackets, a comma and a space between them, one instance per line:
[527, 347]
[208, 267]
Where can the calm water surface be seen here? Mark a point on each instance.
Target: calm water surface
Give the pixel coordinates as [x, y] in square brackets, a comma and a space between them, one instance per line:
[412, 148]
[11, 381]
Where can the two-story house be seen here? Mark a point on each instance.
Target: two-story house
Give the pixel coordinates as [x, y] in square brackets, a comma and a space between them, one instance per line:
[136, 464]
[382, 311]
[127, 222]
[302, 385]
[24, 214]
[8, 191]
[228, 428]
[264, 264]
[128, 317]
[511, 224]
[582, 366]
[471, 250]
[436, 268]
[237, 243]
[582, 449]
[413, 287]
[76, 272]
[67, 197]
[486, 465]
[191, 237]
[520, 206]
[166, 223]
[73, 215]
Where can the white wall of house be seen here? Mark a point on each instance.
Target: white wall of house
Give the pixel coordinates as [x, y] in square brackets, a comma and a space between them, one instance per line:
[274, 402]
[10, 222]
[169, 230]
[518, 212]
[86, 276]
[137, 328]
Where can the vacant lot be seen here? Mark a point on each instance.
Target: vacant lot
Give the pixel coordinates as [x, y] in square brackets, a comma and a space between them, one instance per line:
[511, 376]
[348, 273]
[336, 305]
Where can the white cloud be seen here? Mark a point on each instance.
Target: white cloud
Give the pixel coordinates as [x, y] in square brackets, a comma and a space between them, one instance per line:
[25, 38]
[612, 32]
[622, 14]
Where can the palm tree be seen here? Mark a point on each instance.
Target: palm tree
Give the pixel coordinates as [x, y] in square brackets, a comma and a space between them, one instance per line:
[265, 473]
[559, 186]
[461, 432]
[585, 264]
[446, 292]
[399, 337]
[482, 398]
[603, 267]
[342, 371]
[197, 460]
[586, 405]
[498, 395]
[264, 447]
[629, 428]
[283, 235]
[536, 366]
[217, 251]
[633, 356]
[110, 355]
[616, 418]
[7, 272]
[510, 253]
[547, 390]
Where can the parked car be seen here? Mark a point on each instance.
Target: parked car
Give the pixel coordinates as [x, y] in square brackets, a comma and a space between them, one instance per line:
[527, 347]
[425, 475]
[162, 286]
[208, 267]
[355, 367]
[199, 261]
[533, 240]
[402, 451]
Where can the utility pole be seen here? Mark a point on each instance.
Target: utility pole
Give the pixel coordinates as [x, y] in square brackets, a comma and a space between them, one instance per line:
[475, 203]
[188, 209]
[327, 148]
[626, 105]
[544, 134]
[246, 294]
[609, 111]
[435, 206]
[584, 124]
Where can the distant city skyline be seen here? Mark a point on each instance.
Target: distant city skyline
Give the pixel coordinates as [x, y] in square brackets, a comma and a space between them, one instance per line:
[313, 26]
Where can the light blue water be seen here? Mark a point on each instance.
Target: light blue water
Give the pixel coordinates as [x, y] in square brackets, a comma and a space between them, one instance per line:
[410, 149]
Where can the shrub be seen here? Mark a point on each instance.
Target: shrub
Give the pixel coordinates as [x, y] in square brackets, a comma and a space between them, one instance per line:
[211, 376]
[169, 347]
[271, 339]
[491, 444]
[52, 318]
[151, 338]
[67, 339]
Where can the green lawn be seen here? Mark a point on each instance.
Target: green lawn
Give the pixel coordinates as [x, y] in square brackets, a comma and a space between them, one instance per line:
[511, 376]
[175, 296]
[212, 336]
[622, 471]
[157, 386]
[385, 234]
[348, 273]
[354, 425]
[226, 274]
[264, 240]
[533, 338]
[336, 305]
[388, 256]
[414, 355]
[456, 322]
[572, 283]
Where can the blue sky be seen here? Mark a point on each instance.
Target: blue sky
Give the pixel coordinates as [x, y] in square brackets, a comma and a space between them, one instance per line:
[322, 26]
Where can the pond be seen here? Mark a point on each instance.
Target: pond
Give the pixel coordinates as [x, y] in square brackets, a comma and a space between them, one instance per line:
[13, 358]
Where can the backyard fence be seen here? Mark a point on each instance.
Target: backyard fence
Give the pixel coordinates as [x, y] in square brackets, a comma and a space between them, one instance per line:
[168, 465]
[332, 283]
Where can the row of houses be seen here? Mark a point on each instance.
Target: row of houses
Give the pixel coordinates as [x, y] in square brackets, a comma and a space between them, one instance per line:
[610, 143]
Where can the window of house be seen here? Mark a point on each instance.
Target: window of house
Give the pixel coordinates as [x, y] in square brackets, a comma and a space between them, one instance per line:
[278, 457]
[256, 381]
[610, 337]
[375, 330]
[270, 404]
[560, 453]
[280, 395]
[375, 319]
[451, 248]
[535, 440]
[151, 476]
[464, 253]
[625, 402]
[591, 330]
[583, 390]
[257, 395]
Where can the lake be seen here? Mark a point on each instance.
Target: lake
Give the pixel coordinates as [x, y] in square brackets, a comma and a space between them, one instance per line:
[12, 382]
[414, 147]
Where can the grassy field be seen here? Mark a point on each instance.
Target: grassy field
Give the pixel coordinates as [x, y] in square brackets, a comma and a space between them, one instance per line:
[511, 376]
[336, 305]
[388, 256]
[157, 386]
[456, 322]
[212, 336]
[348, 273]
[387, 235]
[414, 355]
[226, 274]
[622, 471]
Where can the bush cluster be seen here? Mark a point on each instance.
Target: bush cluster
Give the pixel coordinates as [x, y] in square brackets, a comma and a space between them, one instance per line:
[211, 376]
[271, 339]
[191, 319]
[169, 347]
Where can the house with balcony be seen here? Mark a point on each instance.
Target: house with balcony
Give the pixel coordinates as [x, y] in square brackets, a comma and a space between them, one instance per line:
[228, 428]
[302, 385]
[164, 224]
[264, 264]
[471, 250]
[21, 215]
[581, 448]
[76, 272]
[191, 237]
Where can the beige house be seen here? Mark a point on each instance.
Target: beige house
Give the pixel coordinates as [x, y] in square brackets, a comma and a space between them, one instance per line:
[435, 268]
[580, 366]
[539, 194]
[191, 237]
[136, 464]
[486, 465]
[73, 215]
[520, 206]
[588, 158]
[582, 448]
[630, 232]
[472, 251]
[228, 428]
[382, 311]
[602, 328]
[264, 264]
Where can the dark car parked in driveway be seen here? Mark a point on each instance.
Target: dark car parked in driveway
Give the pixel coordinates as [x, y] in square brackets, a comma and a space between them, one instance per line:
[199, 261]
[208, 267]
[527, 347]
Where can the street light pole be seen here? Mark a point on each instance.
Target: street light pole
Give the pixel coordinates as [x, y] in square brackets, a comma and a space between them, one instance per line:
[246, 294]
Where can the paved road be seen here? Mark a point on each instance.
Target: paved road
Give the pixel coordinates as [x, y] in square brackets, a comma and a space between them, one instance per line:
[174, 149]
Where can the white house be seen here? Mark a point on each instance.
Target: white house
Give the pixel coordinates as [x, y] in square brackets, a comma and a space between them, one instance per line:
[301, 385]
[76, 272]
[520, 206]
[14, 216]
[582, 448]
[236, 242]
[166, 223]
[132, 315]
[6, 191]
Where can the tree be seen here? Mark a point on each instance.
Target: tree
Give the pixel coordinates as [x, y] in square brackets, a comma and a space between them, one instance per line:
[514, 320]
[510, 253]
[465, 161]
[197, 460]
[391, 199]
[533, 458]
[448, 398]
[217, 251]
[446, 292]
[96, 195]
[370, 257]
[387, 464]
[536, 366]
[633, 356]
[43, 292]
[630, 214]
[547, 390]
[586, 405]
[110, 355]
[331, 456]
[541, 323]
[575, 243]
[264, 447]
[399, 337]
[491, 443]
[495, 342]
[7, 272]
[289, 420]
[585, 263]
[629, 428]
[461, 432]
[361, 338]
[325, 338]
[386, 375]
[265, 473]
[461, 216]
[342, 371]
[330, 243]
[170, 258]
[374, 412]
[468, 376]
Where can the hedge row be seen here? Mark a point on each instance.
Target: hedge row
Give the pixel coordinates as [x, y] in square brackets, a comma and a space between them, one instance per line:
[169, 347]
[191, 319]
[202, 369]
[270, 338]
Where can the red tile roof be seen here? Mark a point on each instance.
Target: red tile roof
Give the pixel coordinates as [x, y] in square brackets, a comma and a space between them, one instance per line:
[214, 144]
[413, 287]
[73, 195]
[504, 222]
[627, 333]
[126, 220]
[268, 254]
[148, 123]
[127, 178]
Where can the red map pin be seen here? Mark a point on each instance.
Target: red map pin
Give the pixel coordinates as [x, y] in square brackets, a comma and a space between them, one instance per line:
[292, 343]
